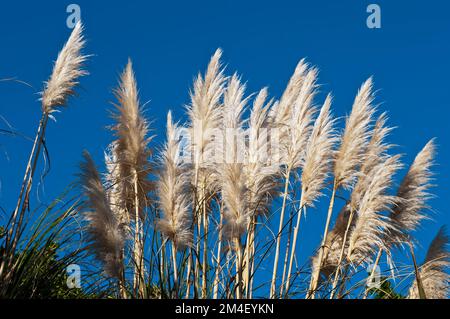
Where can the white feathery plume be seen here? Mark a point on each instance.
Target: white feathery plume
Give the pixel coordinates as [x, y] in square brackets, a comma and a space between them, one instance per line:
[348, 159]
[315, 169]
[377, 147]
[132, 149]
[204, 114]
[300, 122]
[367, 235]
[113, 187]
[374, 155]
[233, 181]
[260, 176]
[333, 244]
[294, 133]
[103, 227]
[281, 111]
[413, 194]
[172, 188]
[350, 154]
[259, 171]
[66, 71]
[434, 271]
[133, 155]
[318, 155]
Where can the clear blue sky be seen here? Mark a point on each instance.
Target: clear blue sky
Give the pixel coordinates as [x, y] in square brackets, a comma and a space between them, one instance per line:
[170, 41]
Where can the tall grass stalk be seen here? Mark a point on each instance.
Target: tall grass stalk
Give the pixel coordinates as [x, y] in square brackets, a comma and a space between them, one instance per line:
[315, 276]
[60, 86]
[278, 235]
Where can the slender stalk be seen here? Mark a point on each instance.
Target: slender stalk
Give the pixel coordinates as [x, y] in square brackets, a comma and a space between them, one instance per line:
[316, 274]
[138, 247]
[286, 256]
[238, 248]
[175, 269]
[121, 281]
[197, 259]
[188, 275]
[23, 199]
[341, 255]
[252, 262]
[219, 251]
[345, 277]
[294, 243]
[248, 255]
[417, 273]
[277, 249]
[198, 219]
[205, 244]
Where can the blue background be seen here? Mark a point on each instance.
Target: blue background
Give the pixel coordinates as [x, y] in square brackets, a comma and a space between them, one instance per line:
[171, 41]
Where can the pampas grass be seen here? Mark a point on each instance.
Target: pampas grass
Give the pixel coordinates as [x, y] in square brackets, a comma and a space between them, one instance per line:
[233, 182]
[204, 114]
[173, 194]
[260, 177]
[106, 237]
[133, 156]
[434, 271]
[293, 137]
[208, 203]
[375, 153]
[413, 194]
[60, 86]
[318, 155]
[66, 72]
[370, 226]
[173, 191]
[349, 157]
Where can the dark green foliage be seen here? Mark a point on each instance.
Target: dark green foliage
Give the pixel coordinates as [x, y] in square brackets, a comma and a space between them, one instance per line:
[46, 249]
[385, 291]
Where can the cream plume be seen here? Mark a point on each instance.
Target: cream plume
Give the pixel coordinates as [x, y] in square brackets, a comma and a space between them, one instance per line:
[205, 111]
[234, 189]
[132, 149]
[66, 71]
[300, 123]
[375, 154]
[367, 235]
[107, 240]
[333, 245]
[377, 147]
[259, 171]
[173, 191]
[281, 111]
[434, 271]
[413, 194]
[350, 154]
[113, 187]
[318, 155]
